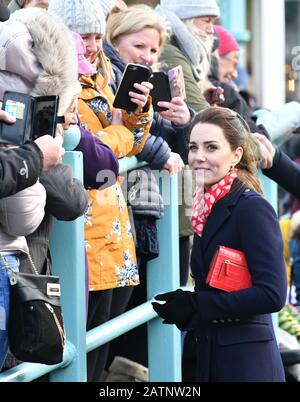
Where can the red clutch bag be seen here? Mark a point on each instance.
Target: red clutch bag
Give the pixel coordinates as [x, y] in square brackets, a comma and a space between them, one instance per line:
[229, 270]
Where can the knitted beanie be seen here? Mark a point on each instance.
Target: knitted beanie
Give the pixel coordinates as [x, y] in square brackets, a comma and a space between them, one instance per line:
[107, 6]
[191, 8]
[81, 16]
[227, 43]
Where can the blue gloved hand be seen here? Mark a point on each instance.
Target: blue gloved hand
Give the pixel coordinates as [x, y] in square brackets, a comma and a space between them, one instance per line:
[179, 308]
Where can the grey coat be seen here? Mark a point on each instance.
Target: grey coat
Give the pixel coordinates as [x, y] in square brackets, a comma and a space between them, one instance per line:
[143, 193]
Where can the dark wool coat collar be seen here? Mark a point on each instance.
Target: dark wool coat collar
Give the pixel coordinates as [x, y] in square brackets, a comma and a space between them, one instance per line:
[221, 212]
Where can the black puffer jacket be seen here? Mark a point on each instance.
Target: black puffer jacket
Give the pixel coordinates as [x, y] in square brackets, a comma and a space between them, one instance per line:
[19, 168]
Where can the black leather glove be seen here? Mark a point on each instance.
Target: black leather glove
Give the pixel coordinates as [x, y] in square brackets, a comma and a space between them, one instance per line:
[179, 308]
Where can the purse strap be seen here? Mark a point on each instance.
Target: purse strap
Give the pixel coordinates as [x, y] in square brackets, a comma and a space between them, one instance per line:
[32, 264]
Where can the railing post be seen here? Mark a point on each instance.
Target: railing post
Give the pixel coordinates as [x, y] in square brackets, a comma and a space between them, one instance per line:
[164, 341]
[67, 251]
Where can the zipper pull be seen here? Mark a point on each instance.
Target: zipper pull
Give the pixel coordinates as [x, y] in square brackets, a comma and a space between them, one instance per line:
[226, 262]
[12, 277]
[135, 188]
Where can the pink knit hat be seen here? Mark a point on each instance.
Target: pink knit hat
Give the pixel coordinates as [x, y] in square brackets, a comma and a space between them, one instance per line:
[227, 42]
[84, 66]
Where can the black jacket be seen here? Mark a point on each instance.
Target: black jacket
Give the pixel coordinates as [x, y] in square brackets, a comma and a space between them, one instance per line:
[19, 168]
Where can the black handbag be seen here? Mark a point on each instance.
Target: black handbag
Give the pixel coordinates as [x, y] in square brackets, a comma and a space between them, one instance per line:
[35, 325]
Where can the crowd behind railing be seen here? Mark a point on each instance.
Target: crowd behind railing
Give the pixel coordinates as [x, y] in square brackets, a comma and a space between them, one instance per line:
[183, 114]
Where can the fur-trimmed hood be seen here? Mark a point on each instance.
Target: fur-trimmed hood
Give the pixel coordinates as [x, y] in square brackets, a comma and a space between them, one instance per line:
[37, 56]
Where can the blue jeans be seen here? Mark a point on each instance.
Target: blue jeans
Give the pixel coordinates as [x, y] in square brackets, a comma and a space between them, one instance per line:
[13, 263]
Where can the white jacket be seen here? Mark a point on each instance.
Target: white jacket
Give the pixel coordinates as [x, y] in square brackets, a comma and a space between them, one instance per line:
[20, 215]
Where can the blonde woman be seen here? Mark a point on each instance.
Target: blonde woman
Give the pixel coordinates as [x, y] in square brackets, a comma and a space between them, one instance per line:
[137, 35]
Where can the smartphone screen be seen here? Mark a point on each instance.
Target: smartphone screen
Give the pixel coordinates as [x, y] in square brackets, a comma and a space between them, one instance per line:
[44, 116]
[161, 90]
[134, 73]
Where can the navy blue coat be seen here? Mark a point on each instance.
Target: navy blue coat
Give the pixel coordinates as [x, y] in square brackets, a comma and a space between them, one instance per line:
[243, 347]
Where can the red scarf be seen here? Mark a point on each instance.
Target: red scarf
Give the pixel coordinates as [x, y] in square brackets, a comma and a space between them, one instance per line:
[204, 202]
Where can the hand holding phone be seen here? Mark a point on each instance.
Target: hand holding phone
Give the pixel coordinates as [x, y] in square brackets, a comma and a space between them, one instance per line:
[4, 116]
[51, 149]
[167, 86]
[133, 74]
[35, 117]
[140, 95]
[176, 111]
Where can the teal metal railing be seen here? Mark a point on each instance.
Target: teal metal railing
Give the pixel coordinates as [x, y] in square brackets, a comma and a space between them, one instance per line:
[67, 250]
[234, 18]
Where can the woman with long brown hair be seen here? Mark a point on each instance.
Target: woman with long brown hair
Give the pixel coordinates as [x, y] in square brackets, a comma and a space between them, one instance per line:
[234, 334]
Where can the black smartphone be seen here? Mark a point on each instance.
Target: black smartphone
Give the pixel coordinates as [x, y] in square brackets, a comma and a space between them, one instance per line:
[19, 106]
[45, 116]
[134, 73]
[161, 90]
